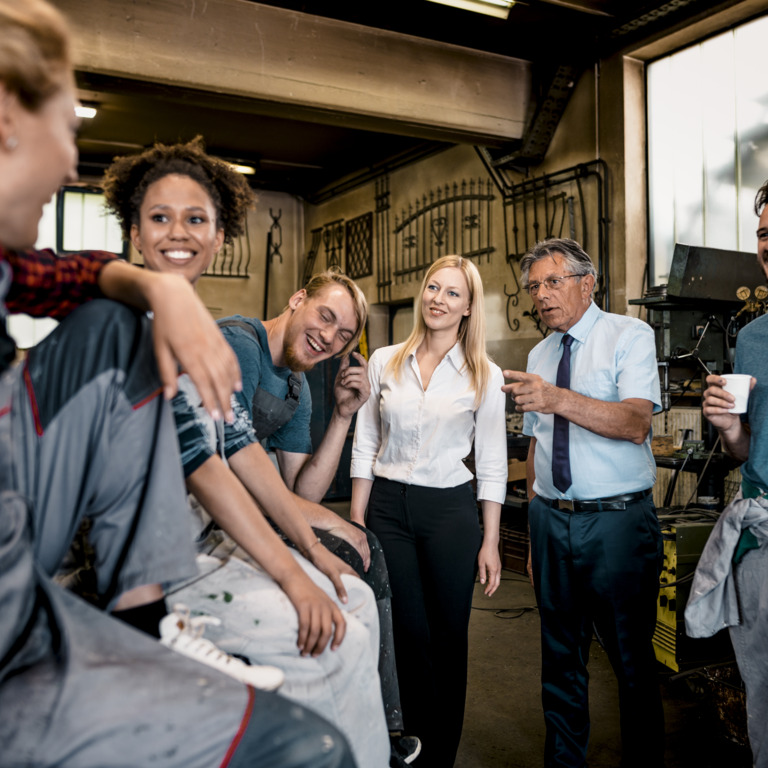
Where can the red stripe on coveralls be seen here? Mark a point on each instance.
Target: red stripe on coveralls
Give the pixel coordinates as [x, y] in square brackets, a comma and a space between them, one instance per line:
[33, 401]
[147, 399]
[241, 730]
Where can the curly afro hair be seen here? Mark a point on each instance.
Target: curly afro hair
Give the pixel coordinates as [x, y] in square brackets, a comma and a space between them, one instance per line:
[126, 182]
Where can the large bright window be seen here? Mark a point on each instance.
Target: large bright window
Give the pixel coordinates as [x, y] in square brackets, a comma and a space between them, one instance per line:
[707, 144]
[75, 220]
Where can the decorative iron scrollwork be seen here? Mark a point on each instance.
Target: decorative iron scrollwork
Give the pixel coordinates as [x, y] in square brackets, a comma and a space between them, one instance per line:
[455, 218]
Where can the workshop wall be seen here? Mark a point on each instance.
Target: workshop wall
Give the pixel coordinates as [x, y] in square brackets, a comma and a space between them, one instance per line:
[599, 134]
[601, 204]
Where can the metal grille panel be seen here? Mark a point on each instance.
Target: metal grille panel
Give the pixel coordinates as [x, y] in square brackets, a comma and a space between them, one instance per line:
[360, 246]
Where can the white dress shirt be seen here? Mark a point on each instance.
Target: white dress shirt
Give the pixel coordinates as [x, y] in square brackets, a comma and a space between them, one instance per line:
[419, 437]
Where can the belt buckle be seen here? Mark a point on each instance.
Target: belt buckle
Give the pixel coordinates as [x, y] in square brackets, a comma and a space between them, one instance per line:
[565, 504]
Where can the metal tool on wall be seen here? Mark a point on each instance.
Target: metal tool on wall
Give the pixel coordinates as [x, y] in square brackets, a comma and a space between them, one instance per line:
[233, 259]
[383, 265]
[558, 204]
[314, 249]
[333, 240]
[330, 237]
[274, 243]
[454, 218]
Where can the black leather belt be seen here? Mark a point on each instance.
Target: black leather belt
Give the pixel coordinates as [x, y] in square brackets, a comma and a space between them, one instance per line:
[608, 504]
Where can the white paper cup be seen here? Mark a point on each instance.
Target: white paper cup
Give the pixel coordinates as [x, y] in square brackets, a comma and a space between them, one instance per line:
[737, 384]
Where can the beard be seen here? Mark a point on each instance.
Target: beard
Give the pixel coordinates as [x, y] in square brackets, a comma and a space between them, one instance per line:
[295, 363]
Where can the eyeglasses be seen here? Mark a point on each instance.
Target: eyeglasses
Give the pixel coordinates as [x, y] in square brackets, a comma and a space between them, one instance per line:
[552, 284]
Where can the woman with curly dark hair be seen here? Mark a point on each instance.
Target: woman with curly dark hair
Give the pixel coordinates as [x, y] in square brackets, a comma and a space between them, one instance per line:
[85, 434]
[178, 205]
[128, 179]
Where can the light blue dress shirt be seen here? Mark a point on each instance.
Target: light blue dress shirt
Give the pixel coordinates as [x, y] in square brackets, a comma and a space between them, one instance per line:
[613, 358]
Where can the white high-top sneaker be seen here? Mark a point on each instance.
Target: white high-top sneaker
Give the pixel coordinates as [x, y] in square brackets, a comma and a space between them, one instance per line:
[184, 634]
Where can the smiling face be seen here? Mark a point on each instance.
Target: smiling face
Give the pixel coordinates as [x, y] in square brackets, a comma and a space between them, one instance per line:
[445, 300]
[177, 229]
[42, 158]
[563, 308]
[319, 327]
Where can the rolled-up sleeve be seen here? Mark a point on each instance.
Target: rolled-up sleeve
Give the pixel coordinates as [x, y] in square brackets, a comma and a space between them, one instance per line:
[239, 433]
[638, 372]
[491, 442]
[47, 285]
[195, 429]
[367, 441]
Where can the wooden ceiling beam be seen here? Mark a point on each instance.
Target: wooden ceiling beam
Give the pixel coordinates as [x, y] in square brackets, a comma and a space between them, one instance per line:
[281, 57]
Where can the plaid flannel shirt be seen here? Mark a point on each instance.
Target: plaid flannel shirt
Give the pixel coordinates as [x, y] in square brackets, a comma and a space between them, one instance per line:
[47, 285]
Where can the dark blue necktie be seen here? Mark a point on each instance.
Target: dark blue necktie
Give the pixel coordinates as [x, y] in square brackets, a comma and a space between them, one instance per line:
[561, 461]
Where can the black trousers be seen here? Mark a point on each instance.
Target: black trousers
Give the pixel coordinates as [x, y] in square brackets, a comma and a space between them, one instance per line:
[431, 539]
[598, 570]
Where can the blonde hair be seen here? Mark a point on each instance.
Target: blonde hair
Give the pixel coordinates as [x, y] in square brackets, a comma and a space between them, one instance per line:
[471, 332]
[334, 276]
[34, 51]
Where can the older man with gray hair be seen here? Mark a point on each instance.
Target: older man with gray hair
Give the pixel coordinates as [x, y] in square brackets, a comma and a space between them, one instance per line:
[588, 395]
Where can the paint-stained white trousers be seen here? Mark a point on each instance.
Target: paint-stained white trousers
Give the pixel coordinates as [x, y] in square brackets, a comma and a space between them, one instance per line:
[259, 622]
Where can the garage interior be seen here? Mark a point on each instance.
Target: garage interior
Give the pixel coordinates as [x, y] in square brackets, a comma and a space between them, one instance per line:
[361, 122]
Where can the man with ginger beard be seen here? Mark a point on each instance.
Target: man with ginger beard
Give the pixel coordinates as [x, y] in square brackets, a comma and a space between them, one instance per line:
[322, 320]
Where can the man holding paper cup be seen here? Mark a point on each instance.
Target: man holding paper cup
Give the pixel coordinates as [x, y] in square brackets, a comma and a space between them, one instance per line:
[730, 587]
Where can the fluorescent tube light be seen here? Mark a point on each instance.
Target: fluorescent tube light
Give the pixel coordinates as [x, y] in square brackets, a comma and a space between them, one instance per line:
[498, 8]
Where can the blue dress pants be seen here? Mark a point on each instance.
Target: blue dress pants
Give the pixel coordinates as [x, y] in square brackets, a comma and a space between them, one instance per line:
[598, 570]
[431, 539]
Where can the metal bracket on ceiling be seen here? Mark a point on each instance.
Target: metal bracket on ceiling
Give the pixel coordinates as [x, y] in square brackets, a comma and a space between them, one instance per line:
[531, 150]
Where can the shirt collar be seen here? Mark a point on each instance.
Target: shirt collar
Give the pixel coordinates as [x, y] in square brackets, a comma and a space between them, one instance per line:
[455, 354]
[580, 331]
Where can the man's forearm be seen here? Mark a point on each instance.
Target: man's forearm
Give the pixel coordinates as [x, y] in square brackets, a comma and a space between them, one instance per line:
[627, 420]
[735, 441]
[315, 477]
[257, 473]
[230, 505]
[530, 468]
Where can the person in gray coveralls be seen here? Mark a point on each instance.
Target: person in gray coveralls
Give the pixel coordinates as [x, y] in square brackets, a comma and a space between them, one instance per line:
[83, 431]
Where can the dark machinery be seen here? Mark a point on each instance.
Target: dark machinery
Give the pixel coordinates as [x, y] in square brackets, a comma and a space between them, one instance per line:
[696, 316]
[711, 294]
[684, 539]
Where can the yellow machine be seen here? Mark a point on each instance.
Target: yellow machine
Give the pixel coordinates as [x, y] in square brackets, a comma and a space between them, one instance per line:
[684, 539]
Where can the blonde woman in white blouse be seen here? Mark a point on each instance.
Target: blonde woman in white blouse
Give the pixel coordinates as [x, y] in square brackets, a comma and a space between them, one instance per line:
[431, 397]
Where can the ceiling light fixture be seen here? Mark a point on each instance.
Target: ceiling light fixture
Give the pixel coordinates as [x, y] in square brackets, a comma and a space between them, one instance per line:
[498, 8]
[246, 170]
[85, 112]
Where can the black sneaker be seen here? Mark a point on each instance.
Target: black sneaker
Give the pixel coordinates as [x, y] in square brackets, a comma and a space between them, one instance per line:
[405, 749]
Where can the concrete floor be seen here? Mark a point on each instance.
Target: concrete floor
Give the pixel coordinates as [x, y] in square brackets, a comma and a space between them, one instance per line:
[504, 728]
[503, 722]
